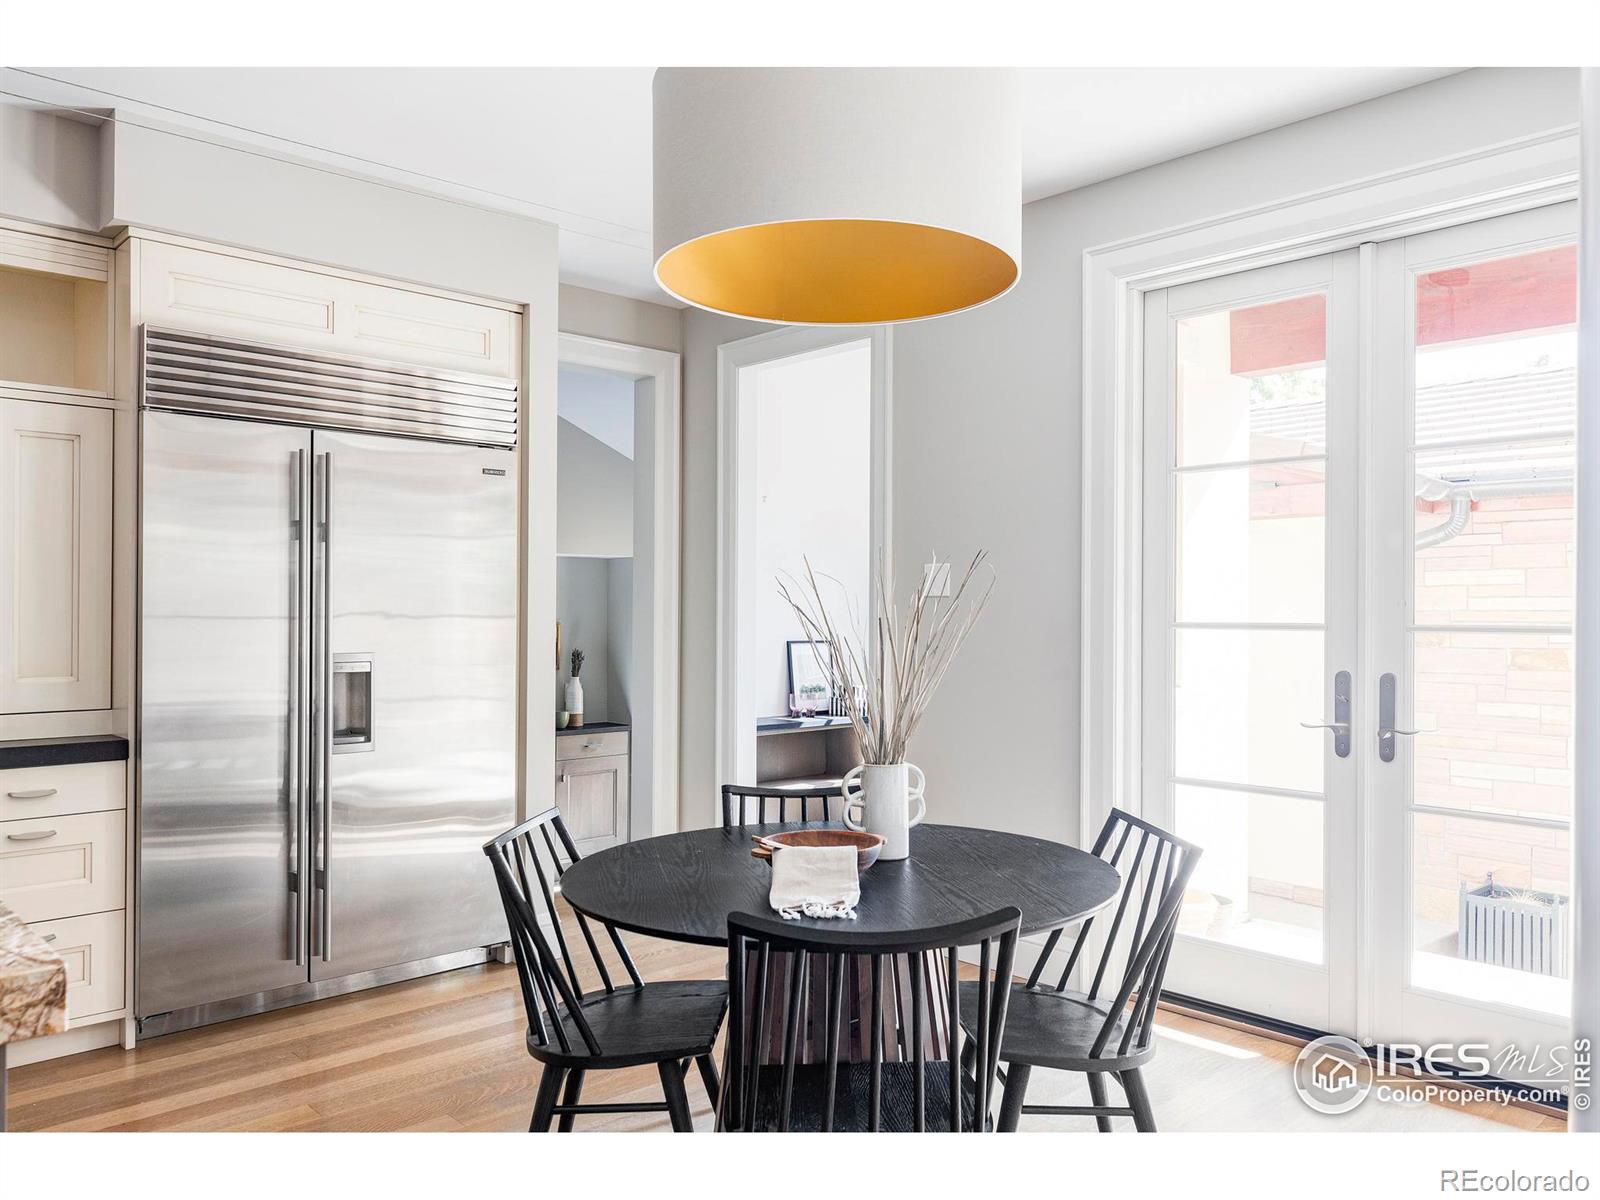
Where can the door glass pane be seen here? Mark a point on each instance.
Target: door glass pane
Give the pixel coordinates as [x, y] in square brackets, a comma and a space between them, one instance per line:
[1251, 543]
[1250, 382]
[1495, 374]
[1259, 882]
[1240, 695]
[1495, 534]
[1492, 917]
[1497, 709]
[1497, 348]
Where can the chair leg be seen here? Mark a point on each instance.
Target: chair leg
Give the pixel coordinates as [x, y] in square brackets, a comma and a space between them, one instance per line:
[708, 1076]
[545, 1102]
[677, 1097]
[1097, 1096]
[1144, 1118]
[1011, 1099]
[569, 1097]
[969, 1057]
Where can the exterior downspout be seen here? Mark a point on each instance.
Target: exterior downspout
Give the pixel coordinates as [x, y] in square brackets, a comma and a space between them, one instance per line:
[1452, 526]
[1461, 496]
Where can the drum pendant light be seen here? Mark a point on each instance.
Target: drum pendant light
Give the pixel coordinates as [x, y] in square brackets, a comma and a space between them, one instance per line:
[837, 196]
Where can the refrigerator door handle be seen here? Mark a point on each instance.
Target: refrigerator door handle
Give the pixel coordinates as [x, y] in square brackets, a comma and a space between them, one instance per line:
[322, 723]
[297, 775]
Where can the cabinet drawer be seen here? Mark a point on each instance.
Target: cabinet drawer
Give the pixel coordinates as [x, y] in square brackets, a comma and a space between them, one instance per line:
[51, 791]
[63, 866]
[92, 948]
[571, 746]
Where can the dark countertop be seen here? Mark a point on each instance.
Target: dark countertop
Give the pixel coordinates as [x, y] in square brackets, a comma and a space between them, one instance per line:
[62, 751]
[595, 727]
[767, 726]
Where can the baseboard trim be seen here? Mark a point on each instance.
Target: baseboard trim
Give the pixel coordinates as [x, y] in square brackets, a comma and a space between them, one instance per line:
[59, 1045]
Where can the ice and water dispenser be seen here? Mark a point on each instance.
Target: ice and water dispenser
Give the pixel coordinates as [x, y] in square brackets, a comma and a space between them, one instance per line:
[352, 703]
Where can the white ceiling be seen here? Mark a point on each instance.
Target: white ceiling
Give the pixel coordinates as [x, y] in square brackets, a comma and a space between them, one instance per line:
[572, 145]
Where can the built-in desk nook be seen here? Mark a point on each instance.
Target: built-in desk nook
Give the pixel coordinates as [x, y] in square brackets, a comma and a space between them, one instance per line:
[805, 751]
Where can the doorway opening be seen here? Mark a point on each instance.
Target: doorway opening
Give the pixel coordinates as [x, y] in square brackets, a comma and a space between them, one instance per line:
[616, 635]
[803, 487]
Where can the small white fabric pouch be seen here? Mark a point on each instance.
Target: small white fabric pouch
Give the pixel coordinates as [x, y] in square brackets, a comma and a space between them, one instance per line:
[814, 881]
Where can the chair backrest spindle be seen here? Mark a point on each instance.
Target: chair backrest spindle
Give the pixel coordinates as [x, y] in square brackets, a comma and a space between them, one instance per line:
[741, 802]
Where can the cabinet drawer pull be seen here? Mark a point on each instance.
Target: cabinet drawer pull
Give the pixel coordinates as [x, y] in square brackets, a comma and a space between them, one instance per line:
[47, 937]
[35, 794]
[38, 835]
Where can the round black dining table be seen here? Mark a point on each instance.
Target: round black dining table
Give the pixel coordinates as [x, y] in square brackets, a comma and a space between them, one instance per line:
[682, 886]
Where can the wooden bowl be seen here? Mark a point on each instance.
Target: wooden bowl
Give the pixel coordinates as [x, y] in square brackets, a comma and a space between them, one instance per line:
[867, 845]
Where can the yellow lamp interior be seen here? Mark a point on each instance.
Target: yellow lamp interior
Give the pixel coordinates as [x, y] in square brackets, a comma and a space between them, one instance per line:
[836, 272]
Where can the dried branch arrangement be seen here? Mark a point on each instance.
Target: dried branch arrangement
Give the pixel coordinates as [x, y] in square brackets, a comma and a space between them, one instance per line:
[887, 681]
[577, 662]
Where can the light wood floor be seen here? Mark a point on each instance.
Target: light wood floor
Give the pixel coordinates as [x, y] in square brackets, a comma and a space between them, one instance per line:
[446, 1053]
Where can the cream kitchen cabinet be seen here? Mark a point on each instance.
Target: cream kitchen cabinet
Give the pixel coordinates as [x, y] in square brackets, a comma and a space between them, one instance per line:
[592, 787]
[203, 290]
[55, 556]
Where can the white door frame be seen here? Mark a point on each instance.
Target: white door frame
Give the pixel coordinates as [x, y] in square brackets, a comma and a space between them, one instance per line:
[1521, 174]
[657, 535]
[734, 751]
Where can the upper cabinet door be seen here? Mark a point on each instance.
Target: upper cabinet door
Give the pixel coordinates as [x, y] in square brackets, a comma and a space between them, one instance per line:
[55, 557]
[182, 287]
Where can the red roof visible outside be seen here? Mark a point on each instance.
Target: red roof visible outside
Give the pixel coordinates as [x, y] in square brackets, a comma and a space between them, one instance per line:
[1455, 304]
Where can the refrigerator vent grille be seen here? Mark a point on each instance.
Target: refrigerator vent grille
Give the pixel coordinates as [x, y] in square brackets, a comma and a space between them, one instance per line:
[194, 372]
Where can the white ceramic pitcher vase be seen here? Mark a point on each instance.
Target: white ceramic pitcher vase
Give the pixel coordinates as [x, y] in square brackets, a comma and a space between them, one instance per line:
[885, 799]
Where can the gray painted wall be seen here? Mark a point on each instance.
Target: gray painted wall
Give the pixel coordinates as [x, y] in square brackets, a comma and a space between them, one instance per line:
[594, 496]
[987, 437]
[620, 319]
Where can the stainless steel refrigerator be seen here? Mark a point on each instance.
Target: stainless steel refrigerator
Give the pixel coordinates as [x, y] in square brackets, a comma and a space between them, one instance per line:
[327, 704]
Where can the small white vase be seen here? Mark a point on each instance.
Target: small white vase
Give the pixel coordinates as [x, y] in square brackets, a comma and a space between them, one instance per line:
[575, 701]
[885, 799]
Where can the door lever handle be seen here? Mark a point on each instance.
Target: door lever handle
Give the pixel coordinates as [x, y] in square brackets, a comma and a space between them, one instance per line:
[1341, 716]
[1386, 714]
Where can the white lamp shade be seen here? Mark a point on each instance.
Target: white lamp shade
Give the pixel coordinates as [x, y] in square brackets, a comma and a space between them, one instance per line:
[837, 196]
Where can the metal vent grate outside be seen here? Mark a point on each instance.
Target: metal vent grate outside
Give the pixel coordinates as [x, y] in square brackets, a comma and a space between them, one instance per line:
[195, 372]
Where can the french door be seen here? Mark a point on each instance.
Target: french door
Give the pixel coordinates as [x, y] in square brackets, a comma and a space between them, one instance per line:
[1357, 631]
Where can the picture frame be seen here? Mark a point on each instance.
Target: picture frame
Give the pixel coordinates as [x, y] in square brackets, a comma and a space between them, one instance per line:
[809, 674]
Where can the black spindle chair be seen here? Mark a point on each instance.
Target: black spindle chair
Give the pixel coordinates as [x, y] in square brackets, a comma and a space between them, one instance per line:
[767, 1085]
[1108, 1029]
[626, 1024]
[747, 804]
